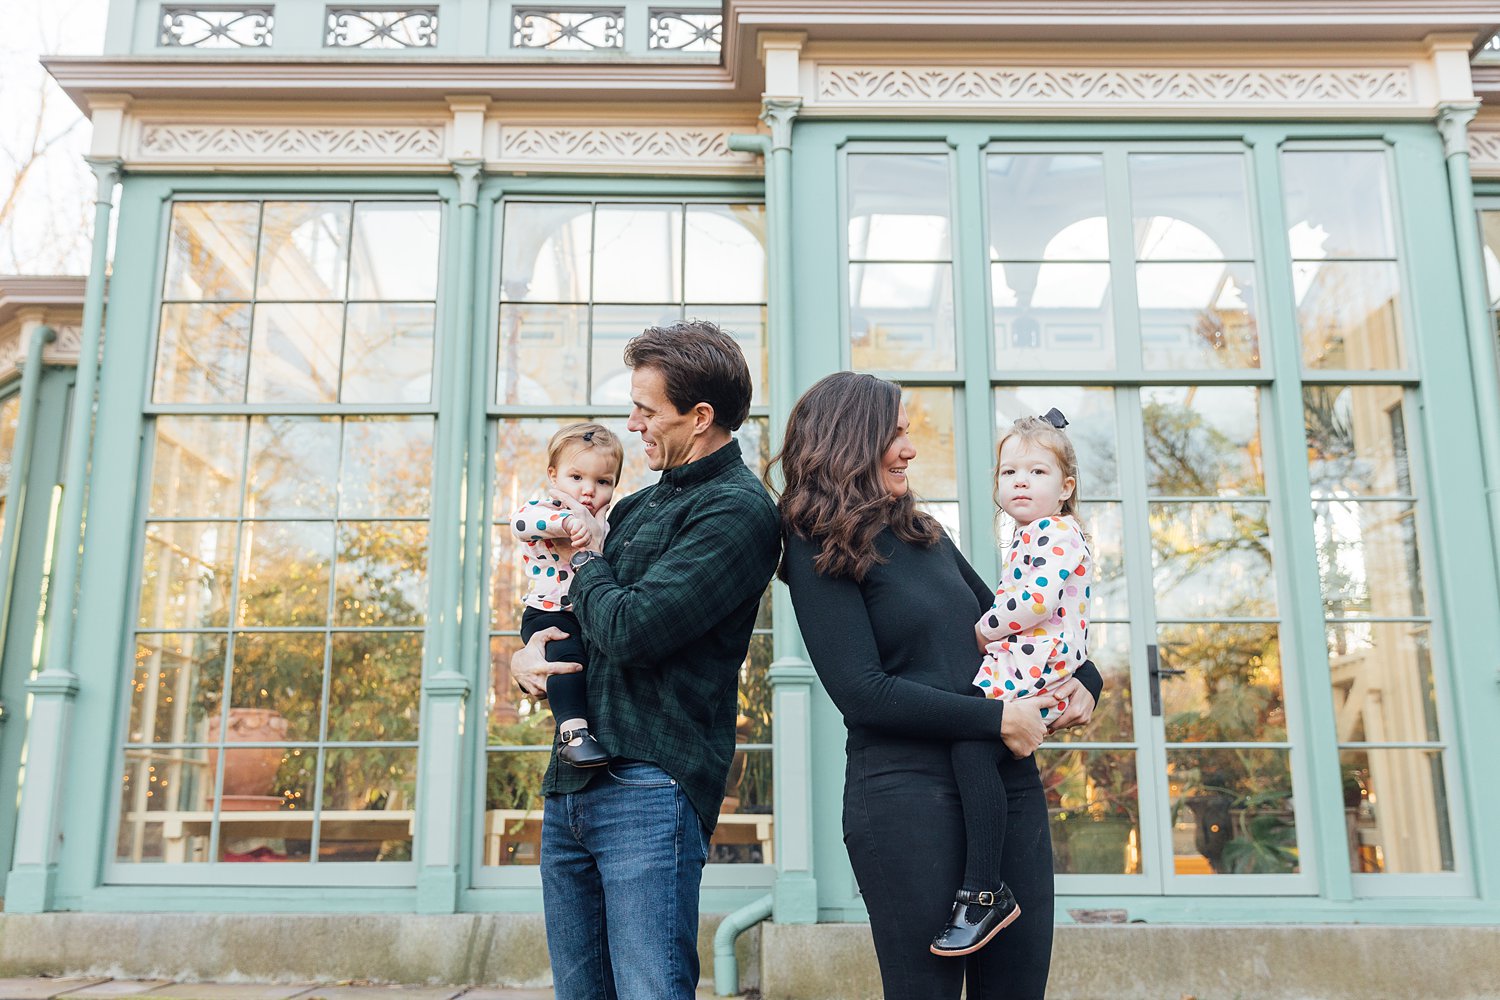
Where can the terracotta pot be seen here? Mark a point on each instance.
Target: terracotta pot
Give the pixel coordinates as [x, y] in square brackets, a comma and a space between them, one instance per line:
[249, 774]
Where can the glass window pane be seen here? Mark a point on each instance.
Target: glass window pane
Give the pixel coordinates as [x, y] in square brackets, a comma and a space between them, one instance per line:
[747, 325]
[1047, 206]
[638, 253]
[1190, 206]
[547, 253]
[1093, 804]
[10, 413]
[196, 466]
[1337, 204]
[284, 573]
[186, 574]
[1349, 314]
[1203, 440]
[303, 250]
[1231, 691]
[269, 816]
[1091, 428]
[375, 686]
[293, 462]
[381, 576]
[726, 253]
[176, 687]
[1212, 560]
[368, 802]
[388, 353]
[294, 353]
[387, 467]
[395, 251]
[1367, 558]
[1356, 440]
[1232, 812]
[158, 784]
[1197, 316]
[1104, 524]
[211, 250]
[513, 806]
[930, 413]
[1053, 317]
[1490, 229]
[202, 353]
[282, 673]
[745, 831]
[1396, 811]
[898, 206]
[1382, 682]
[1109, 648]
[543, 355]
[613, 327]
[901, 316]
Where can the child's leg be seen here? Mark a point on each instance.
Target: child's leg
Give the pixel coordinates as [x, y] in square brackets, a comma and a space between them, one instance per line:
[981, 791]
[567, 694]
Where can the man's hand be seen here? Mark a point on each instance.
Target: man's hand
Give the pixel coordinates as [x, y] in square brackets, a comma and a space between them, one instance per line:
[584, 529]
[1080, 705]
[529, 666]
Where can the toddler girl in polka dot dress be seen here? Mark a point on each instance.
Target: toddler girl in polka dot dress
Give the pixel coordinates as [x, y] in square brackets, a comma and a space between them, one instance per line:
[1035, 635]
[584, 461]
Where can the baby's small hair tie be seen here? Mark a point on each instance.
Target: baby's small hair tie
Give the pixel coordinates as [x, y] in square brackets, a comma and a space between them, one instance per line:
[1055, 418]
[588, 436]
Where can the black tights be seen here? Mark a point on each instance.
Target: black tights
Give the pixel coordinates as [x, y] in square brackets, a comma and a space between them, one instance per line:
[567, 694]
[904, 829]
[976, 767]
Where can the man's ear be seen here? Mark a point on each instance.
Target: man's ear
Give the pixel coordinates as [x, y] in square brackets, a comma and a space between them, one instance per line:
[703, 417]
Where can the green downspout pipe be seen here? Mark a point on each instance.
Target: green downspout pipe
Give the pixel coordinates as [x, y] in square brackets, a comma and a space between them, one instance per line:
[1453, 123]
[726, 966]
[20, 468]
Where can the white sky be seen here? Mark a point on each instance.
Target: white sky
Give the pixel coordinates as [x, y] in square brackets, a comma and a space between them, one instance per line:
[48, 231]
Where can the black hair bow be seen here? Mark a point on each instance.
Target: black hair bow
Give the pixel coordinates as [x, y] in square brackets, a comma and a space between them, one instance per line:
[1055, 418]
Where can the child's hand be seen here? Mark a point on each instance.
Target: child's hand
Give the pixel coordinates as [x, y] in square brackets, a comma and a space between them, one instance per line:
[578, 532]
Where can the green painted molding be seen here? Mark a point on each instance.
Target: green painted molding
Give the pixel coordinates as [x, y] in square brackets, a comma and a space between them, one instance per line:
[20, 467]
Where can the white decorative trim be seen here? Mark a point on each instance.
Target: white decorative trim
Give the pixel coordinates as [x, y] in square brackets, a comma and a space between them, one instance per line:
[1167, 88]
[628, 147]
[365, 145]
[1484, 149]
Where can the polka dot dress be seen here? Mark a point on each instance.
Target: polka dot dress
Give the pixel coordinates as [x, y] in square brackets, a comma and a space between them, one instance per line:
[1038, 628]
[541, 526]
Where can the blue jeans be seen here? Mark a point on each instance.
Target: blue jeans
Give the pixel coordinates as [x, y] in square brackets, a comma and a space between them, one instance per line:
[622, 862]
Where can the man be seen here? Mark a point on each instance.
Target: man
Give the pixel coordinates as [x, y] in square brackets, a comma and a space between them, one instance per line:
[666, 609]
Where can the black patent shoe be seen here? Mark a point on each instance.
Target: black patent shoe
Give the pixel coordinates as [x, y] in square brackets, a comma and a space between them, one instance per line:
[580, 749]
[977, 917]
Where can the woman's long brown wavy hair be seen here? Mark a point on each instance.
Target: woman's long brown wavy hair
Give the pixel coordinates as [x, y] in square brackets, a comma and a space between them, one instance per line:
[834, 492]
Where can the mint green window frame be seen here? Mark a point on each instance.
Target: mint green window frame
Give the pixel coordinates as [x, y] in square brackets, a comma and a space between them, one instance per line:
[145, 219]
[1426, 264]
[725, 886]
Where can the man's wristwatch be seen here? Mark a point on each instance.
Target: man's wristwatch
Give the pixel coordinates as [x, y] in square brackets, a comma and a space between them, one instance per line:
[579, 558]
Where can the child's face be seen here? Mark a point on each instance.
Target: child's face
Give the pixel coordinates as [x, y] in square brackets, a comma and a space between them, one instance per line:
[1031, 481]
[587, 475]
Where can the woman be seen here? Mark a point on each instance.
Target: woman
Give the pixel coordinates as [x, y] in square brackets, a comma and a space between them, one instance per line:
[887, 606]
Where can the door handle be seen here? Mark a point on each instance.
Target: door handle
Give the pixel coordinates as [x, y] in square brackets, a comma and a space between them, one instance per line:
[1155, 672]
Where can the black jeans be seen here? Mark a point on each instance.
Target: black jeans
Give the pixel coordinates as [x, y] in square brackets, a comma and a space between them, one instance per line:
[904, 829]
[567, 694]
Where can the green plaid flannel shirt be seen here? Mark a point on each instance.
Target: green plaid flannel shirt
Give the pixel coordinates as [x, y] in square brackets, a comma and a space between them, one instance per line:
[667, 615]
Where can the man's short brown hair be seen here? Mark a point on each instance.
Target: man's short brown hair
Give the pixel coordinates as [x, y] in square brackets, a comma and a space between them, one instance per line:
[699, 364]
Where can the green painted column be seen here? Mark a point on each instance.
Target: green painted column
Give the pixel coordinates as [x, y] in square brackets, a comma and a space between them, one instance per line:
[20, 465]
[445, 687]
[53, 690]
[1453, 122]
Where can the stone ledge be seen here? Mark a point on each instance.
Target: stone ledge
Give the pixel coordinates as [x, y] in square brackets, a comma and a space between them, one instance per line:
[501, 949]
[1150, 962]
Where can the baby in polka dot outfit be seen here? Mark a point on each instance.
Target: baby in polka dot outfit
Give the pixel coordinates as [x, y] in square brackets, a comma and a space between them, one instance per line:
[1034, 636]
[584, 461]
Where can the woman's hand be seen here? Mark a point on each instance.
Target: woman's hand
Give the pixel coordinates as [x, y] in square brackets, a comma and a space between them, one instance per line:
[1080, 705]
[1022, 727]
[585, 530]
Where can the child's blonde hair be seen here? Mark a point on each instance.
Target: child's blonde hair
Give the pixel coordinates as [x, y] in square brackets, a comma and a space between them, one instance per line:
[1038, 431]
[581, 436]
